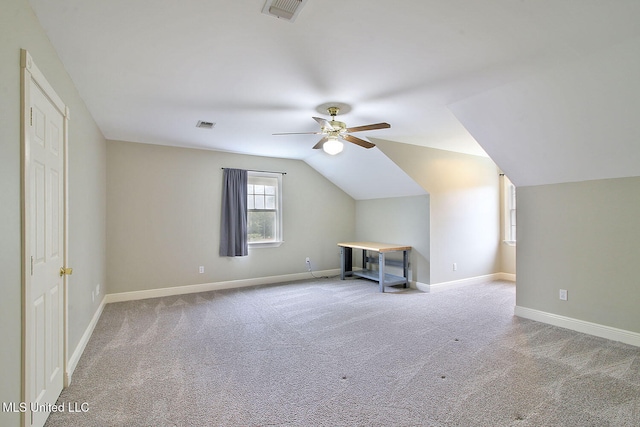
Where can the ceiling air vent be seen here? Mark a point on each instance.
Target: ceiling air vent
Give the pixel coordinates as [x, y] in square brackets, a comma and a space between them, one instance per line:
[284, 9]
[205, 125]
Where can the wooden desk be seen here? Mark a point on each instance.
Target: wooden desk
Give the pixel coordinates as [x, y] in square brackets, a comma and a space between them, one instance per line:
[383, 278]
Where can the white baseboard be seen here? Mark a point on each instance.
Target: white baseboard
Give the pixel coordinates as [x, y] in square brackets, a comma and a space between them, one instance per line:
[602, 331]
[424, 287]
[477, 280]
[206, 287]
[510, 277]
[84, 340]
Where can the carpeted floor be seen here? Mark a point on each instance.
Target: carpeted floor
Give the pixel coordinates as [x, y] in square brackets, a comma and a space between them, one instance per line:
[339, 353]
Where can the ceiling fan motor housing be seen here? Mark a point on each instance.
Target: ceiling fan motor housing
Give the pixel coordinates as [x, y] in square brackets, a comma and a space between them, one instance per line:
[335, 124]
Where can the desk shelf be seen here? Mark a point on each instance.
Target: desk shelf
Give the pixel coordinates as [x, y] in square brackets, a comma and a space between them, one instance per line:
[389, 279]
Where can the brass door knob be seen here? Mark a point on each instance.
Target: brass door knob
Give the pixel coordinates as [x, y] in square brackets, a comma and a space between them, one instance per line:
[67, 271]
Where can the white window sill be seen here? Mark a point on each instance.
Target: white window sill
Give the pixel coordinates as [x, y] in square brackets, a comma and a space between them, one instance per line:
[259, 245]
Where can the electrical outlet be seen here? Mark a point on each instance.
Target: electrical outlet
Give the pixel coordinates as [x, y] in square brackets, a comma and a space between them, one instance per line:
[564, 294]
[455, 266]
[201, 269]
[93, 296]
[98, 289]
[308, 261]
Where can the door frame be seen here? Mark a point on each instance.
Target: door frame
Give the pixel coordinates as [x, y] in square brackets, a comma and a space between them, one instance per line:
[31, 75]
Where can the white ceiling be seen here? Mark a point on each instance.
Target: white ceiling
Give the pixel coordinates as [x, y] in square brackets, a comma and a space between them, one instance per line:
[510, 73]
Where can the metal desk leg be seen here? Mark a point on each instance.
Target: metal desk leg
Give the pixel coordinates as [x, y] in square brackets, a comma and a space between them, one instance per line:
[405, 268]
[345, 262]
[381, 270]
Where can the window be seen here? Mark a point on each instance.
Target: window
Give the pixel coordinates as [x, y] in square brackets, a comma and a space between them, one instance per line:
[264, 209]
[509, 212]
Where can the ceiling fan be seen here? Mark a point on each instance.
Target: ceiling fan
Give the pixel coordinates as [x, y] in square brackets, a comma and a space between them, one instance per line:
[333, 131]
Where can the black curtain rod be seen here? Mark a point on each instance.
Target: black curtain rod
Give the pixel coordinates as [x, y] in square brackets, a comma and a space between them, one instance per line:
[253, 170]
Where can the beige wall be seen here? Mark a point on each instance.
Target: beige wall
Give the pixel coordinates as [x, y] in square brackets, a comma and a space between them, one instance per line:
[508, 258]
[19, 29]
[465, 208]
[164, 218]
[400, 220]
[583, 237]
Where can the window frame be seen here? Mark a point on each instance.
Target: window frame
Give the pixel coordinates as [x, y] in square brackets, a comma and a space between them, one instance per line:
[251, 178]
[509, 212]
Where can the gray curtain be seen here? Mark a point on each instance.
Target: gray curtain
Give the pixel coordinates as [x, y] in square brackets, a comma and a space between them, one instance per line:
[233, 227]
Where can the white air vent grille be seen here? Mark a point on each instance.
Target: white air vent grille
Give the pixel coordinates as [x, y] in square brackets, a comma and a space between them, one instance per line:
[205, 125]
[284, 9]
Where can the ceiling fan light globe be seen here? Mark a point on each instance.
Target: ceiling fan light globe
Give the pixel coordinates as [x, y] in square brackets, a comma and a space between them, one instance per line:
[332, 146]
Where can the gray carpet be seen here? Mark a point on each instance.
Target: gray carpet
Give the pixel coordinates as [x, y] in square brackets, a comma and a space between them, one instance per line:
[339, 353]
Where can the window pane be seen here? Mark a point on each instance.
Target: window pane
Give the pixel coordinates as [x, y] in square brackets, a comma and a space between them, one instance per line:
[270, 202]
[258, 189]
[250, 203]
[269, 189]
[512, 198]
[261, 226]
[250, 188]
[259, 202]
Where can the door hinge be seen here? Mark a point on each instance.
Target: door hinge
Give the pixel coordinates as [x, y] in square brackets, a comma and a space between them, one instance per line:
[32, 265]
[30, 116]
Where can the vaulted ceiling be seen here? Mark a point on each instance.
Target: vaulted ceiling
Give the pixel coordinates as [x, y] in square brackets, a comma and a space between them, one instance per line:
[548, 89]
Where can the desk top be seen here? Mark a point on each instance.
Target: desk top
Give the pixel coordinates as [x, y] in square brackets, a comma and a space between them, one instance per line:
[375, 246]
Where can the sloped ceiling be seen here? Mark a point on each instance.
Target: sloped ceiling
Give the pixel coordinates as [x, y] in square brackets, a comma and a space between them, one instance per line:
[548, 88]
[366, 174]
[573, 121]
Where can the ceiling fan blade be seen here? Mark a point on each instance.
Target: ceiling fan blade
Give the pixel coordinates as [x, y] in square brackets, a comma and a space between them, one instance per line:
[358, 141]
[369, 127]
[298, 133]
[320, 143]
[322, 122]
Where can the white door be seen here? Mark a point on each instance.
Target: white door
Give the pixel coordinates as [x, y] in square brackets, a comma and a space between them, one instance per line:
[45, 233]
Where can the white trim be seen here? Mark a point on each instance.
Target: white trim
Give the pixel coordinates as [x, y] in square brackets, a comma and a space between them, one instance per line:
[262, 245]
[65, 279]
[477, 280]
[75, 357]
[602, 331]
[26, 62]
[206, 287]
[510, 277]
[424, 287]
